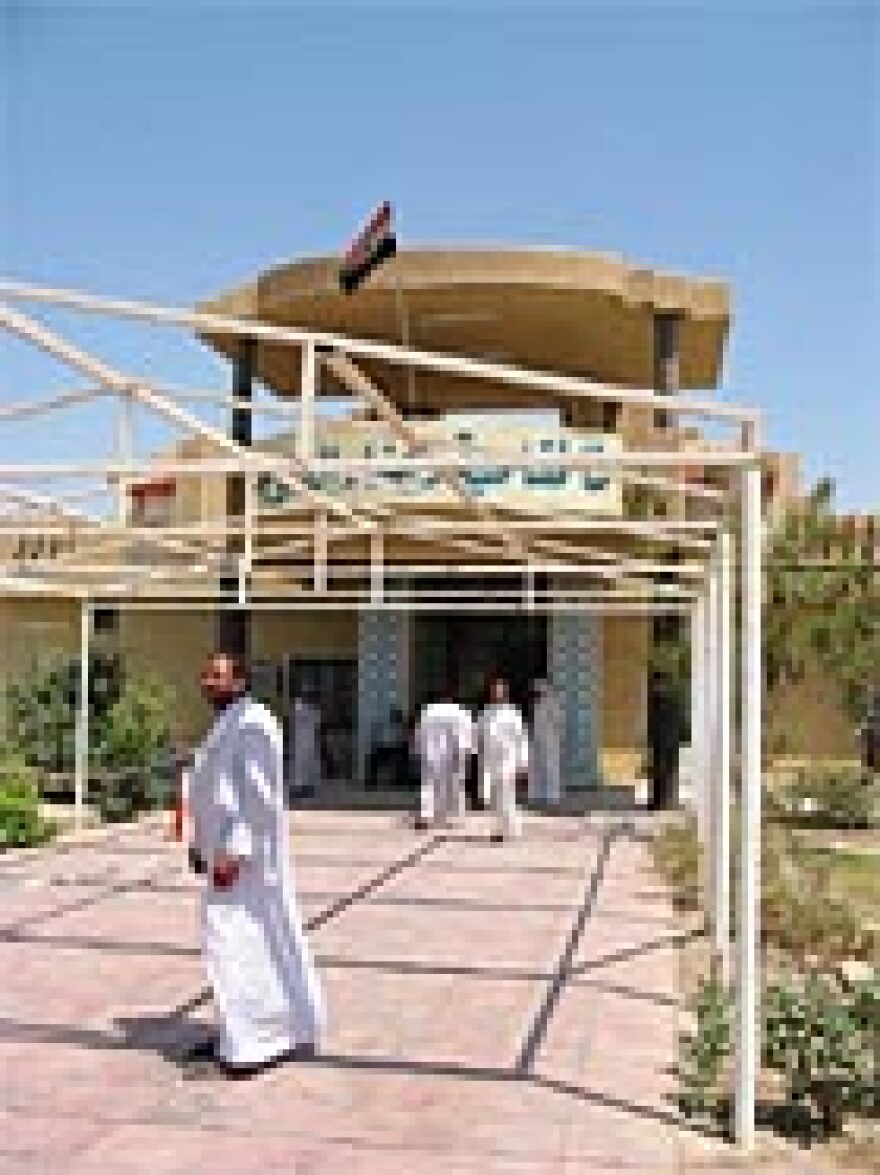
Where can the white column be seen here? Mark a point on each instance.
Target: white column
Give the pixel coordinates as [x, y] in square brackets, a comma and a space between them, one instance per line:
[81, 763]
[246, 559]
[710, 731]
[377, 566]
[529, 587]
[721, 772]
[306, 436]
[320, 552]
[748, 937]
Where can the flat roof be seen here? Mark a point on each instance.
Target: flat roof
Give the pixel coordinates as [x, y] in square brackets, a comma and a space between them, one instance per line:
[582, 314]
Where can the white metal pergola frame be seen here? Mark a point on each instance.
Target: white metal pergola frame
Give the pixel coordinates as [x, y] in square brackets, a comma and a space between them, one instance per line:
[189, 560]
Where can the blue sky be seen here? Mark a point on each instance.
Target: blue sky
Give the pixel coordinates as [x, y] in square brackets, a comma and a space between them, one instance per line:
[166, 151]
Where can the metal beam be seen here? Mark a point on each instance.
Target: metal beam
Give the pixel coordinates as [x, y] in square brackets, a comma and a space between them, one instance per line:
[115, 381]
[208, 324]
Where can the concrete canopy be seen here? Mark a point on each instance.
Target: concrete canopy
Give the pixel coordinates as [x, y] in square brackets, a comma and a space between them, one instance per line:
[580, 314]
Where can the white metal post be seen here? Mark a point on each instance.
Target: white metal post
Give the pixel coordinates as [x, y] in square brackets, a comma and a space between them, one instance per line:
[81, 763]
[748, 938]
[721, 766]
[710, 760]
[306, 435]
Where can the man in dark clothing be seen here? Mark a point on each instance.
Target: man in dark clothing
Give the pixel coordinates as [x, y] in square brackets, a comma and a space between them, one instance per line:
[389, 756]
[665, 729]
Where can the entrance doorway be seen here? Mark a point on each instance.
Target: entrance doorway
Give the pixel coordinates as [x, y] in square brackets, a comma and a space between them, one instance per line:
[464, 651]
[331, 684]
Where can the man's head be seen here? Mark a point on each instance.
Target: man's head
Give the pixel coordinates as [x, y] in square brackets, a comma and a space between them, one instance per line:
[223, 678]
[497, 690]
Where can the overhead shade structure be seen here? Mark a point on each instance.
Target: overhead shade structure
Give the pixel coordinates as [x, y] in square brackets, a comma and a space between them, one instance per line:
[581, 314]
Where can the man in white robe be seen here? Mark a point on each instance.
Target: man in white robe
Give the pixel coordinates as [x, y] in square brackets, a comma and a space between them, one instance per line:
[267, 995]
[444, 738]
[304, 751]
[545, 776]
[504, 758]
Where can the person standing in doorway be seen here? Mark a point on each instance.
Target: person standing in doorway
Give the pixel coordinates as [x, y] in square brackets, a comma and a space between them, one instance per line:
[664, 738]
[266, 991]
[504, 758]
[545, 776]
[305, 747]
[389, 754]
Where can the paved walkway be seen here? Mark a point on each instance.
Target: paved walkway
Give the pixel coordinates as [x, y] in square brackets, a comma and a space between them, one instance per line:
[495, 1009]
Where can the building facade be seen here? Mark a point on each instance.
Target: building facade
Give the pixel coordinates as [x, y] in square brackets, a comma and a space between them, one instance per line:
[564, 313]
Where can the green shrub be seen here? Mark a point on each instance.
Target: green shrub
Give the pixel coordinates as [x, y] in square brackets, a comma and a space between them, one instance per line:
[41, 708]
[21, 822]
[703, 1051]
[865, 1005]
[134, 750]
[820, 1034]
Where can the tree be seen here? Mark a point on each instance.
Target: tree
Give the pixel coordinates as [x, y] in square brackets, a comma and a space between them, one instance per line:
[821, 612]
[822, 603]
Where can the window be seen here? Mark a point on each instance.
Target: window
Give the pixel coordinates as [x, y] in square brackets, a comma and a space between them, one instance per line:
[465, 437]
[329, 452]
[546, 445]
[595, 484]
[106, 619]
[563, 446]
[152, 502]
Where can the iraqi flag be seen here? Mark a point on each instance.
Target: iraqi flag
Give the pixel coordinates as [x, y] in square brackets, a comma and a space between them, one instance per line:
[370, 248]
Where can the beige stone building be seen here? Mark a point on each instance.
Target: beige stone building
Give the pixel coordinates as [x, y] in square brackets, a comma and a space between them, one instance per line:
[563, 313]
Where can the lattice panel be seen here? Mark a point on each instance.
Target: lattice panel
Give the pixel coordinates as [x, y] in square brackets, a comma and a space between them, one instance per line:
[575, 669]
[383, 641]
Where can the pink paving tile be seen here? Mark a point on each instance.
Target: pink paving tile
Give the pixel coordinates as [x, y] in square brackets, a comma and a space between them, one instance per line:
[165, 1149]
[433, 979]
[43, 1142]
